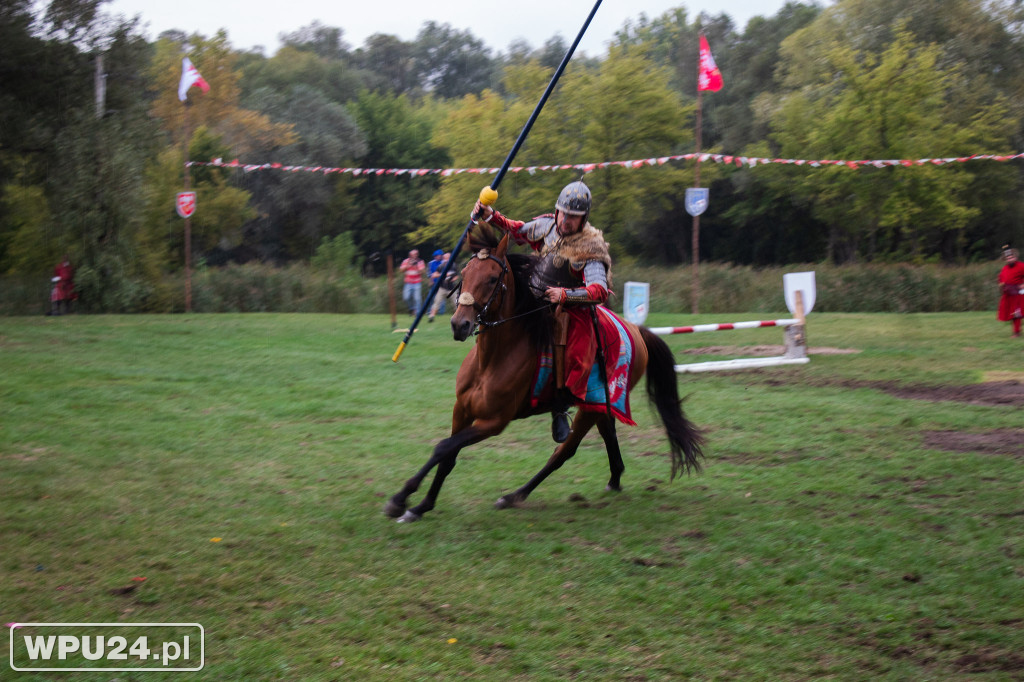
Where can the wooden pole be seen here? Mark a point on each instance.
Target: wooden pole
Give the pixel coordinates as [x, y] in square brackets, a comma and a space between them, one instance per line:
[695, 239]
[796, 335]
[391, 290]
[100, 87]
[188, 219]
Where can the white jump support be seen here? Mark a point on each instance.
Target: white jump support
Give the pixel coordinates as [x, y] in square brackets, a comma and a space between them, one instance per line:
[743, 363]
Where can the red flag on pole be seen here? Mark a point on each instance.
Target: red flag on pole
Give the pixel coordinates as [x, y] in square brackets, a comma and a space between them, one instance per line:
[190, 76]
[709, 77]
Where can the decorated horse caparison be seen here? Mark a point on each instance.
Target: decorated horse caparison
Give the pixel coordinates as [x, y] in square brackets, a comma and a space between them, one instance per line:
[501, 378]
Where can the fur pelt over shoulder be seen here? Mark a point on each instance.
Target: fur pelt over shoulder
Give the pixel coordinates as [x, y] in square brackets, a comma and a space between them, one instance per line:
[587, 244]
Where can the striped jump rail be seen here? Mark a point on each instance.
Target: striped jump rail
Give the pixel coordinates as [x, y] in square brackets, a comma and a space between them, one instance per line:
[663, 331]
[742, 363]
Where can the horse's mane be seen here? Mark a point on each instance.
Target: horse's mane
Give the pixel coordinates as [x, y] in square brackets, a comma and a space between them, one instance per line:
[535, 312]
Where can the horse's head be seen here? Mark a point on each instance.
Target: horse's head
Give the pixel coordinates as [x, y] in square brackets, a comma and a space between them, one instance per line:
[486, 283]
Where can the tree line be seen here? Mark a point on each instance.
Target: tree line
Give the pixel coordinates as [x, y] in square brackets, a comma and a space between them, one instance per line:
[93, 138]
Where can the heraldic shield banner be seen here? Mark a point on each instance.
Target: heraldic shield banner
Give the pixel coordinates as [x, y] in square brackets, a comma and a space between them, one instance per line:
[696, 200]
[185, 204]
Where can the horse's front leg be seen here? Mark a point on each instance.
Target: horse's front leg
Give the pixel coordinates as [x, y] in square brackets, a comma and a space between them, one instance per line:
[397, 504]
[444, 457]
[461, 420]
[580, 426]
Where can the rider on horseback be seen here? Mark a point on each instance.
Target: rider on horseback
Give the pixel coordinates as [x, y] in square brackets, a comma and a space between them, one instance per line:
[574, 272]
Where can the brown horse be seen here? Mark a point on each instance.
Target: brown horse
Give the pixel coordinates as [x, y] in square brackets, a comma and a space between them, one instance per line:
[494, 384]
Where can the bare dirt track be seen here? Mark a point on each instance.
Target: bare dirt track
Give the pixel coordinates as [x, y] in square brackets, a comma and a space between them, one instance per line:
[988, 393]
[763, 351]
[995, 442]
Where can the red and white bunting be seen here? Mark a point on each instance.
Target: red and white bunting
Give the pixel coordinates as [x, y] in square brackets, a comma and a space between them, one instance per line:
[634, 163]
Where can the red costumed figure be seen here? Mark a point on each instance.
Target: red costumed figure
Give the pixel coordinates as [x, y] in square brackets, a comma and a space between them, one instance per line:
[63, 287]
[574, 272]
[1011, 283]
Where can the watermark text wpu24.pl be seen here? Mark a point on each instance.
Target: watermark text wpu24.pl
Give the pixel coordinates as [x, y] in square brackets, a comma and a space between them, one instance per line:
[68, 647]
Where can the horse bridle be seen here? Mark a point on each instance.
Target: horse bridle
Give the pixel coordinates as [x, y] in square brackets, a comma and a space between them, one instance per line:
[466, 298]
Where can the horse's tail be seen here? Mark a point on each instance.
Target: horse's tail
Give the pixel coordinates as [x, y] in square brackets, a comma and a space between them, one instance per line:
[686, 439]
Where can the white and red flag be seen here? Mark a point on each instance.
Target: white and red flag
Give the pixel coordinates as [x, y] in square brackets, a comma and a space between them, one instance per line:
[190, 76]
[708, 75]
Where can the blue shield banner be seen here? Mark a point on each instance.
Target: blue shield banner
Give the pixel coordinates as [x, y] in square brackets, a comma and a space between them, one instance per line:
[636, 301]
[696, 200]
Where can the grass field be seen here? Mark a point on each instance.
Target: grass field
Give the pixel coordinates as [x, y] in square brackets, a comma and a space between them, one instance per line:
[859, 518]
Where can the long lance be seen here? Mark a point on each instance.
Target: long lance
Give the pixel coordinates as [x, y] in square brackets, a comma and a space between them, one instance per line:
[489, 194]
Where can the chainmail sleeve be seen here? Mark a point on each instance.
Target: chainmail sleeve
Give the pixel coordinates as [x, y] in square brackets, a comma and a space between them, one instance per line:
[595, 285]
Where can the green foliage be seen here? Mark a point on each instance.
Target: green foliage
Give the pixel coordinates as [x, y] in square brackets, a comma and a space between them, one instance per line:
[469, 132]
[390, 209]
[295, 211]
[452, 63]
[108, 282]
[262, 288]
[856, 79]
[323, 41]
[29, 245]
[897, 288]
[98, 210]
[388, 65]
[334, 282]
[629, 201]
[339, 257]
[297, 65]
[894, 105]
[582, 122]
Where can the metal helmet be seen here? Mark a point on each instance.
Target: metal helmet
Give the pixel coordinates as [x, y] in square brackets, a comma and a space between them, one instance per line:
[574, 199]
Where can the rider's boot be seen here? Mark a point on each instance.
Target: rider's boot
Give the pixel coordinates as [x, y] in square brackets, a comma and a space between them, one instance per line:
[560, 416]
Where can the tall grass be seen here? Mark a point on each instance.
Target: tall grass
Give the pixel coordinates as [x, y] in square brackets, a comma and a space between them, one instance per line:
[847, 288]
[724, 288]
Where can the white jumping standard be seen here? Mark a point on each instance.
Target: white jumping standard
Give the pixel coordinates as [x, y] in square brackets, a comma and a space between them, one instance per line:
[799, 292]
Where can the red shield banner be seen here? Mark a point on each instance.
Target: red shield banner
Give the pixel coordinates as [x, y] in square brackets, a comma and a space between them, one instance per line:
[185, 204]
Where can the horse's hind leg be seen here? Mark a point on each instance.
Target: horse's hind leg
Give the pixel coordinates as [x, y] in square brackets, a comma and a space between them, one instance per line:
[606, 427]
[580, 426]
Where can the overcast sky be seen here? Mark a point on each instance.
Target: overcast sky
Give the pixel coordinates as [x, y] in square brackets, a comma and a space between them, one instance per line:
[251, 23]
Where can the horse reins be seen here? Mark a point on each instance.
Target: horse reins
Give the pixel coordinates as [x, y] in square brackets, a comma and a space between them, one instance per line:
[465, 298]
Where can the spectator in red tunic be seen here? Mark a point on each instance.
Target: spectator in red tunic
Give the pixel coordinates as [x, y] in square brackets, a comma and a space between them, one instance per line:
[1011, 283]
[63, 287]
[413, 267]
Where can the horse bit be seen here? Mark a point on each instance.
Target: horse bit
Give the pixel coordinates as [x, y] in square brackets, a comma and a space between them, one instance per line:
[466, 298]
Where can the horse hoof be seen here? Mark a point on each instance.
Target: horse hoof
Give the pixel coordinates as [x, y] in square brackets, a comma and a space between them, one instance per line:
[394, 510]
[409, 517]
[613, 488]
[505, 502]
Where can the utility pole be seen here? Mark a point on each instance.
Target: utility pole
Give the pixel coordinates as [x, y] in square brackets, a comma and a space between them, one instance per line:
[100, 87]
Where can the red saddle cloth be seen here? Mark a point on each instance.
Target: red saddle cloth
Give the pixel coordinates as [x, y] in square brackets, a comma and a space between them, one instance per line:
[583, 376]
